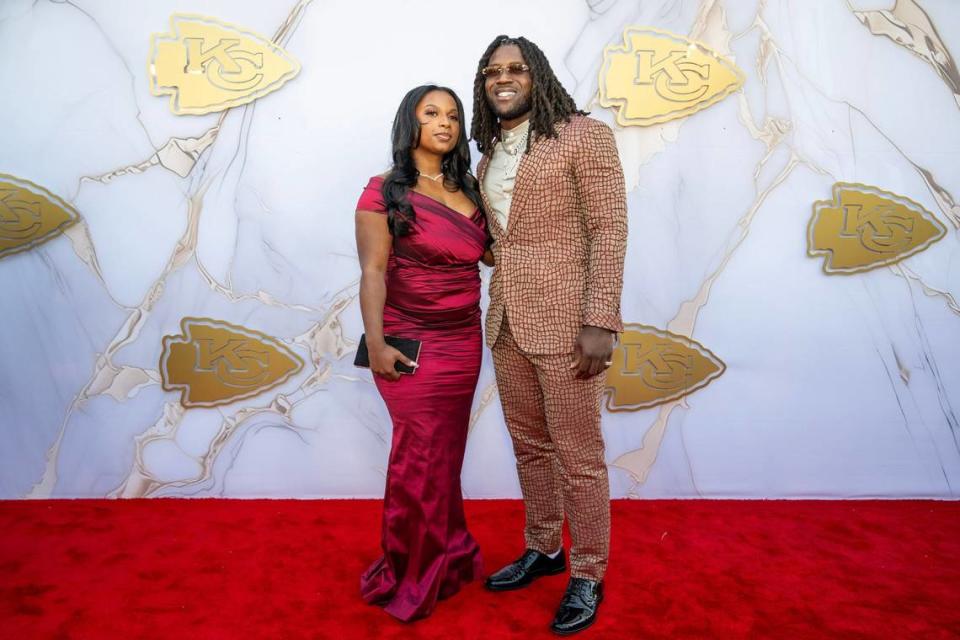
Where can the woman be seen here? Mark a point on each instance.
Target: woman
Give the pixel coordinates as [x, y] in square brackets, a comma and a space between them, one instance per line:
[420, 233]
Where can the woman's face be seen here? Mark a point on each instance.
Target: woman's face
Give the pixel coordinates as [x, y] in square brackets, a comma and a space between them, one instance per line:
[439, 122]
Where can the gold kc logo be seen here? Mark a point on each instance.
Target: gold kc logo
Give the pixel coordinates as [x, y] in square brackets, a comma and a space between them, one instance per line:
[214, 362]
[651, 367]
[224, 64]
[656, 76]
[673, 77]
[30, 215]
[207, 65]
[865, 227]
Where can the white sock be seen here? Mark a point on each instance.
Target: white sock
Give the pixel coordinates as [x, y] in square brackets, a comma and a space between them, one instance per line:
[555, 553]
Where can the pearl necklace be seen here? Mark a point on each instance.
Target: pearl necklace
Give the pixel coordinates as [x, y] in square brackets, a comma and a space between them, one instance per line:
[435, 178]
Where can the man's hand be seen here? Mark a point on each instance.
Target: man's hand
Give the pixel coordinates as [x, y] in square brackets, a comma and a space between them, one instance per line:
[592, 352]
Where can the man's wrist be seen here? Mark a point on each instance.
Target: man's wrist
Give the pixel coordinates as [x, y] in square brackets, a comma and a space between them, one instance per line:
[609, 320]
[593, 326]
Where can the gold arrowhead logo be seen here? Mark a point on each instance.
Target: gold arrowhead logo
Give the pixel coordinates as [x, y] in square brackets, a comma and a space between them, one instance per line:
[865, 227]
[651, 367]
[656, 76]
[207, 65]
[30, 215]
[214, 362]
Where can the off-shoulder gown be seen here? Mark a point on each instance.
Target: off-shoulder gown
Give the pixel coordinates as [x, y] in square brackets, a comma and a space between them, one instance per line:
[433, 294]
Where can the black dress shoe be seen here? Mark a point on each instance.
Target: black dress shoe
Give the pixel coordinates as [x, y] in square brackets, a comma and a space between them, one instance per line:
[578, 608]
[530, 566]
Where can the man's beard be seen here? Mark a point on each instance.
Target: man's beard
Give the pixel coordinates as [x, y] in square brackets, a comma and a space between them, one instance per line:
[520, 109]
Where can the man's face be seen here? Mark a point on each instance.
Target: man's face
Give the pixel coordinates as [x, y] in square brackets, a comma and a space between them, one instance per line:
[508, 92]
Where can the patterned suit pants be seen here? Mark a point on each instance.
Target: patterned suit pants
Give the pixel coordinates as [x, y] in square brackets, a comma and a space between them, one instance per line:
[554, 421]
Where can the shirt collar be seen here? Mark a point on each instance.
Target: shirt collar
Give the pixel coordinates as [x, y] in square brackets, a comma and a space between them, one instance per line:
[510, 138]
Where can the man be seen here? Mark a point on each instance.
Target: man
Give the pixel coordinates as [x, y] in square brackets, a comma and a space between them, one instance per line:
[554, 194]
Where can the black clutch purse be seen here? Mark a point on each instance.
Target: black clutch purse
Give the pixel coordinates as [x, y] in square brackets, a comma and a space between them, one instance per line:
[407, 346]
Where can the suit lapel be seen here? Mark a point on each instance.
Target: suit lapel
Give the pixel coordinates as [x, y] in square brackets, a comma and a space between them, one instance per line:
[491, 217]
[527, 174]
[482, 167]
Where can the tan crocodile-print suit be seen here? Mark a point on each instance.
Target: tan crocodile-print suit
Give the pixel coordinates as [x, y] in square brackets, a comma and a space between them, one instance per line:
[559, 266]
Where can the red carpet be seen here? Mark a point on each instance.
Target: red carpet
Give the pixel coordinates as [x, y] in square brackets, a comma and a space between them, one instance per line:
[198, 569]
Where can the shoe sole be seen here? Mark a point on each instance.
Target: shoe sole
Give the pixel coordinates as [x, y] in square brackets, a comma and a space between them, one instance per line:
[533, 578]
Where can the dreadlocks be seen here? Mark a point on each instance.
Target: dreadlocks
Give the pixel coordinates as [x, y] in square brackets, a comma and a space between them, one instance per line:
[549, 101]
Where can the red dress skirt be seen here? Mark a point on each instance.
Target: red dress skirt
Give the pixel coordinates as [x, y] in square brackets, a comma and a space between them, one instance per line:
[433, 295]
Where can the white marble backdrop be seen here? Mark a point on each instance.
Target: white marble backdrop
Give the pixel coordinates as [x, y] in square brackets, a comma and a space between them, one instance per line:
[835, 386]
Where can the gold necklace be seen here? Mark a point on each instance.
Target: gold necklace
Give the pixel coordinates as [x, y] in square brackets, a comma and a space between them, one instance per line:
[434, 178]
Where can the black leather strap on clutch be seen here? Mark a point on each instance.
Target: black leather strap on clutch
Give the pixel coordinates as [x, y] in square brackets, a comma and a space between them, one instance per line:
[407, 346]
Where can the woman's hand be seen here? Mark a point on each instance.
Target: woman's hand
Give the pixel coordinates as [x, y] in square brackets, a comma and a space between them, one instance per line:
[383, 359]
[487, 258]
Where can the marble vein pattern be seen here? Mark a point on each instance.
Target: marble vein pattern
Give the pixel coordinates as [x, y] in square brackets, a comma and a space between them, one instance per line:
[909, 26]
[834, 385]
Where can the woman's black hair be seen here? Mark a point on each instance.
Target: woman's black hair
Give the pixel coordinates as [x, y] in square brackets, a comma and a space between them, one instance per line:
[549, 101]
[403, 175]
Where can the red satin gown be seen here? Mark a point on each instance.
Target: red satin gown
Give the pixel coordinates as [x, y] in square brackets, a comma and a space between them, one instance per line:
[433, 294]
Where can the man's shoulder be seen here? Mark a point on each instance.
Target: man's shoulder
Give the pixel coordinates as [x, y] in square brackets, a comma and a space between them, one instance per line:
[579, 126]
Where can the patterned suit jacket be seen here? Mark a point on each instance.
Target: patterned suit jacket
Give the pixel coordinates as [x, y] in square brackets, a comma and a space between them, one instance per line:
[559, 262]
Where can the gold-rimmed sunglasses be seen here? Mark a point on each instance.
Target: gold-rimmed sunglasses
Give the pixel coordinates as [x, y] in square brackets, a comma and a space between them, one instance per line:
[512, 69]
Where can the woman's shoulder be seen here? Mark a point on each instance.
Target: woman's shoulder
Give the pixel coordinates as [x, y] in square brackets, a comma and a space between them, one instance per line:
[371, 198]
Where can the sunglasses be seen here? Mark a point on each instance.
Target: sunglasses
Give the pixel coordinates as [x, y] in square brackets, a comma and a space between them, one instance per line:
[512, 69]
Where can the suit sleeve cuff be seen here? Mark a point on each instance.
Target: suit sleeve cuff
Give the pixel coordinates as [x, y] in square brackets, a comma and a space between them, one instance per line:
[604, 320]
